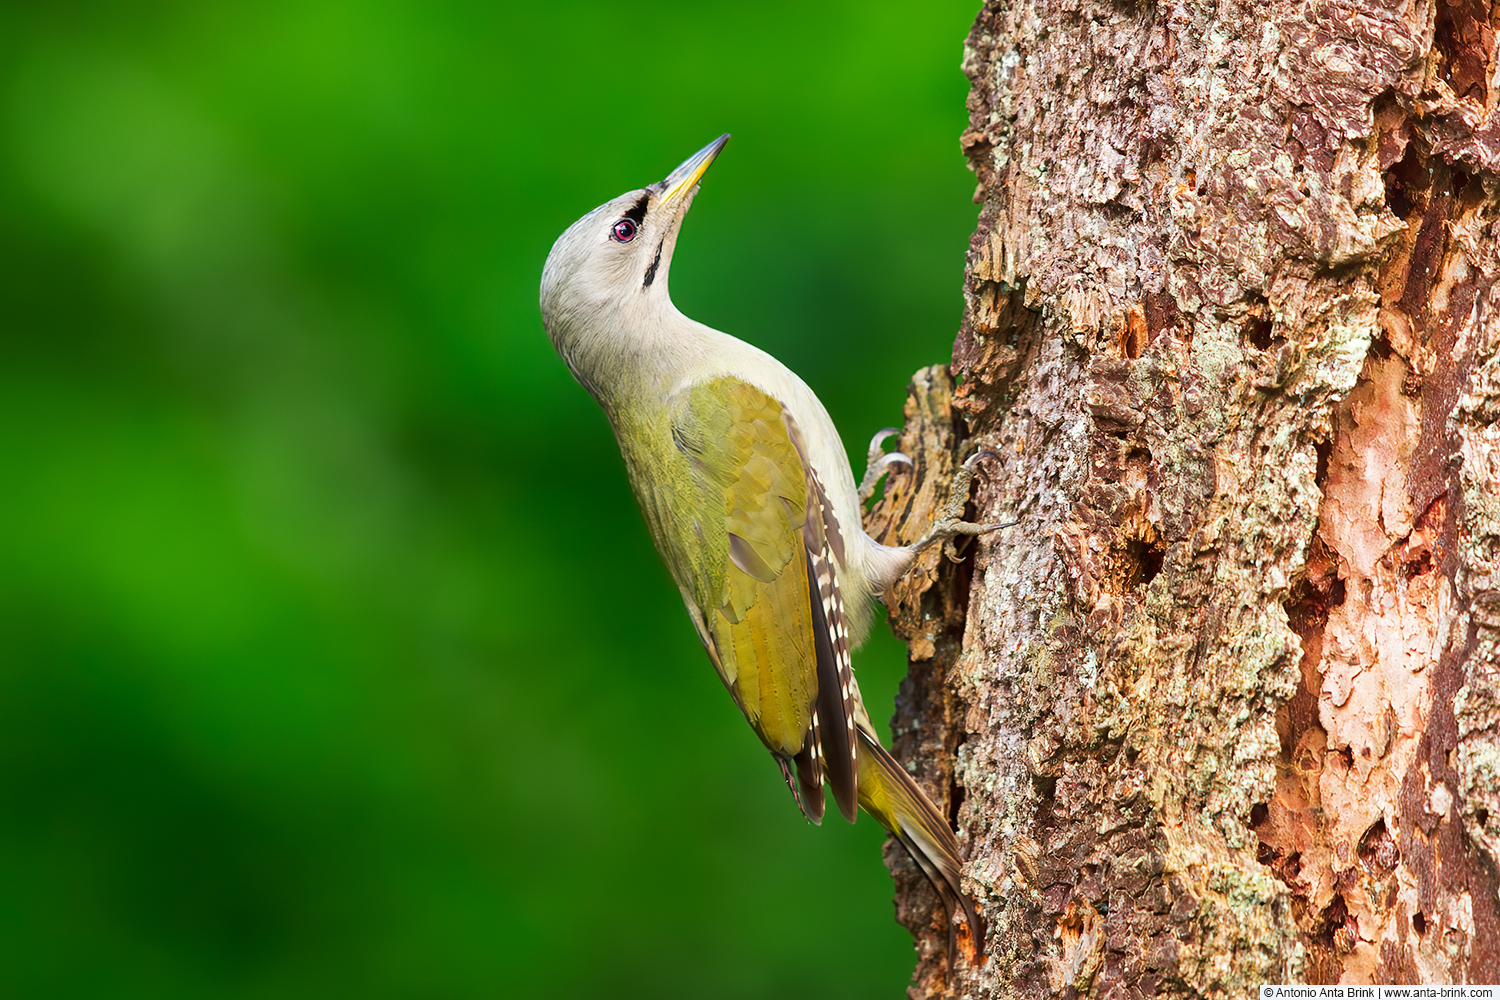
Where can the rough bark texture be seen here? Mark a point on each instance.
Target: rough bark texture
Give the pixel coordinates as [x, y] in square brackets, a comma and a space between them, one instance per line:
[927, 611]
[1224, 709]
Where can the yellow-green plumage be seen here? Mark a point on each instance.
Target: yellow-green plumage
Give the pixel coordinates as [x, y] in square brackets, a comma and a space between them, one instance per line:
[725, 488]
[749, 497]
[744, 494]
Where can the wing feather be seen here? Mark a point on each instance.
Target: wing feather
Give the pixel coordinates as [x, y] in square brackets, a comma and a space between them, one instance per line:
[762, 590]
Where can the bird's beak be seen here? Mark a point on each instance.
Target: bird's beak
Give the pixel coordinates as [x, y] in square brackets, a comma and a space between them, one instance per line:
[682, 180]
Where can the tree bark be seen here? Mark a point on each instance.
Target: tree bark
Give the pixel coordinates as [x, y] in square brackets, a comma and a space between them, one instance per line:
[1223, 709]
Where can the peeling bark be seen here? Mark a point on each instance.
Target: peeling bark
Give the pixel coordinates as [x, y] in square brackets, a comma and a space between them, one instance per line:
[1224, 709]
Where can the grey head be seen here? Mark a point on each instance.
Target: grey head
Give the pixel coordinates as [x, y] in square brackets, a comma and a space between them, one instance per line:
[608, 272]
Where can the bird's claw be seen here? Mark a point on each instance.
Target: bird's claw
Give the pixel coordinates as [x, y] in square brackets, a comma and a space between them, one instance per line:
[950, 524]
[878, 463]
[876, 450]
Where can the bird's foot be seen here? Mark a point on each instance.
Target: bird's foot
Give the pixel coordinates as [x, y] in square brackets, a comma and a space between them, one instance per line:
[950, 523]
[878, 463]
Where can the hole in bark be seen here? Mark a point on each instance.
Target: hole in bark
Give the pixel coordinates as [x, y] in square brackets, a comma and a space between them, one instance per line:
[1378, 851]
[1046, 788]
[1396, 199]
[1145, 562]
[1259, 330]
[1133, 333]
[1283, 870]
[1419, 923]
[1346, 755]
[1313, 597]
[1259, 333]
[955, 803]
[1323, 450]
[1416, 567]
[1259, 814]
[1334, 917]
[1482, 817]
[1406, 183]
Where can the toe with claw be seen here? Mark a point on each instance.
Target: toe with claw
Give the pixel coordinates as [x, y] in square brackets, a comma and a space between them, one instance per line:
[950, 523]
[878, 463]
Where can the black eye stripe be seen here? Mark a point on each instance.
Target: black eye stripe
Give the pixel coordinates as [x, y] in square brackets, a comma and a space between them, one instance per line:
[637, 212]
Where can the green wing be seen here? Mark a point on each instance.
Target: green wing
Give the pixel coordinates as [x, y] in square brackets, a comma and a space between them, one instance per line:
[755, 535]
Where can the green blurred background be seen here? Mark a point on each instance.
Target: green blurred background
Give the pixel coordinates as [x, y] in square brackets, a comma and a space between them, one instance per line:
[334, 656]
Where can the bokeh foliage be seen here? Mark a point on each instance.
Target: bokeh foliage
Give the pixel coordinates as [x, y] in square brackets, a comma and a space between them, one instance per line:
[334, 656]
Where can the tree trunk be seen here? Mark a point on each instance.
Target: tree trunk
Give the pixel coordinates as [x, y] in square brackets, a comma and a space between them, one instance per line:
[1222, 710]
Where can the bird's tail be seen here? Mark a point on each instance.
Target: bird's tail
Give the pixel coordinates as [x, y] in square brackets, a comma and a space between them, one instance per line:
[888, 793]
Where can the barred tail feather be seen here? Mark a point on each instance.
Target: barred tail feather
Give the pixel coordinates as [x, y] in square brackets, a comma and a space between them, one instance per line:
[810, 775]
[834, 705]
[892, 796]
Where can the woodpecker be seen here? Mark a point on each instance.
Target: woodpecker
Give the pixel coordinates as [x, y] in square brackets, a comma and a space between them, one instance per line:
[750, 498]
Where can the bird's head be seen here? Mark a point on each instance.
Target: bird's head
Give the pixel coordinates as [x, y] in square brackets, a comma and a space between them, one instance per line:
[616, 257]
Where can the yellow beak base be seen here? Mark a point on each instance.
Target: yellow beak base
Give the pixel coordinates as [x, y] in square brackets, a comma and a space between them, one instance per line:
[682, 180]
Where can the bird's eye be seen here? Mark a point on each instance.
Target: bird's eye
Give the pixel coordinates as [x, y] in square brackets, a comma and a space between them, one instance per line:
[624, 230]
